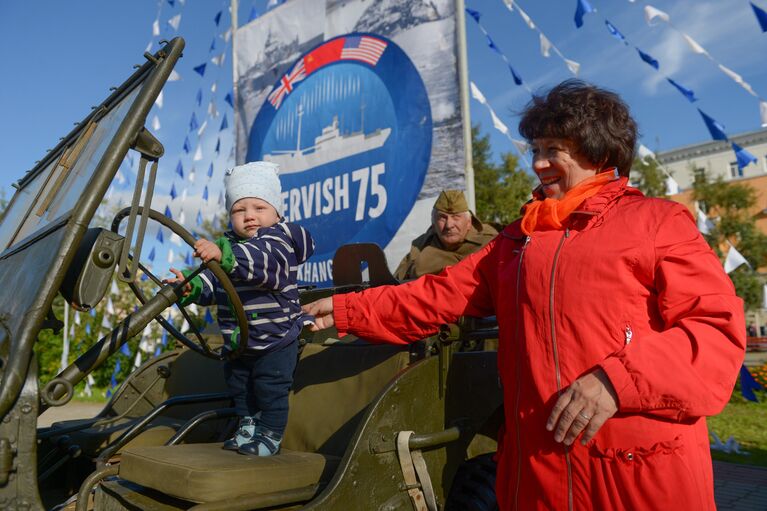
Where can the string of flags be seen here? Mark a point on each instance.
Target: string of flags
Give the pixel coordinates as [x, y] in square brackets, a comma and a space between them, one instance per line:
[546, 45]
[743, 157]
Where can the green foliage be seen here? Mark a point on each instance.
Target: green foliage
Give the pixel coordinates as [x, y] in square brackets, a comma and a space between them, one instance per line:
[650, 178]
[499, 190]
[728, 205]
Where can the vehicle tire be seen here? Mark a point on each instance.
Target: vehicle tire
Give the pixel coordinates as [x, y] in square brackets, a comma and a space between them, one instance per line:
[473, 488]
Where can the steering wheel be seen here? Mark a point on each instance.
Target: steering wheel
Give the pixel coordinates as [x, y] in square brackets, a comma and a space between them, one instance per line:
[199, 344]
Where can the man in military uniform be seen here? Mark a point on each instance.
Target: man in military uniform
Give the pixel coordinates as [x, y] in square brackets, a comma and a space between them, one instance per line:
[454, 233]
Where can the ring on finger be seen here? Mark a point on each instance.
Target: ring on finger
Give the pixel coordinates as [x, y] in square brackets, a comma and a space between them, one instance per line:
[587, 417]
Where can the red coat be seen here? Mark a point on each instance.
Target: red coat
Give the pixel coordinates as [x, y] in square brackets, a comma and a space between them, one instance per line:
[631, 287]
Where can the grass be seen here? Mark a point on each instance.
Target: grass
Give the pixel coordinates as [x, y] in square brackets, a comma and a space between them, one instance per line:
[747, 423]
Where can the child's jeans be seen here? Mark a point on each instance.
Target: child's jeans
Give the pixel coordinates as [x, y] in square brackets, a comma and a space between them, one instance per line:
[260, 381]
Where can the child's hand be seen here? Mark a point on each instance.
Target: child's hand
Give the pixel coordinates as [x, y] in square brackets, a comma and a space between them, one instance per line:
[207, 250]
[179, 278]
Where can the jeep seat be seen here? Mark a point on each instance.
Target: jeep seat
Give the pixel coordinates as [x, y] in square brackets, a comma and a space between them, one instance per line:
[332, 389]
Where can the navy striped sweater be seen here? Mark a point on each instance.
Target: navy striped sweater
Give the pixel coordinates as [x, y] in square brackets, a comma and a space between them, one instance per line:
[263, 270]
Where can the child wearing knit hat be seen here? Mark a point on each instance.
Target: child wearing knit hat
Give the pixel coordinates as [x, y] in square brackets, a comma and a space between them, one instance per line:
[261, 254]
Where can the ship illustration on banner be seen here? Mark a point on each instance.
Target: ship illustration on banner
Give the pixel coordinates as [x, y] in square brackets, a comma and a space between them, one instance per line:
[350, 125]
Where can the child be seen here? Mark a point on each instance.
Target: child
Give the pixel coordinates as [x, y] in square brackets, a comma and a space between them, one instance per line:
[261, 255]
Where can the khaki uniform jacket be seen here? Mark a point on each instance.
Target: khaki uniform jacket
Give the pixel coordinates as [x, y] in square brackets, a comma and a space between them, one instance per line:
[427, 255]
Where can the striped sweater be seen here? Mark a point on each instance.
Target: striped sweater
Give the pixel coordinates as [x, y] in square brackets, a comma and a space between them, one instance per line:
[263, 270]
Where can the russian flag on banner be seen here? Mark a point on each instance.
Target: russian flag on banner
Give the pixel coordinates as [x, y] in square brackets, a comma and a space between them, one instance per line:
[362, 48]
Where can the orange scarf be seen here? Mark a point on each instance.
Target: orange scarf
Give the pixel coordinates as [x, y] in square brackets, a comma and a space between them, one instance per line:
[548, 214]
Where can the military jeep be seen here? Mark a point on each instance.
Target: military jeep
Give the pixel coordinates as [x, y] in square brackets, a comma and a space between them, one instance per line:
[371, 426]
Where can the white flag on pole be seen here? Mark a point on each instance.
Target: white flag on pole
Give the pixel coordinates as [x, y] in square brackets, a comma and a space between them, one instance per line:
[733, 260]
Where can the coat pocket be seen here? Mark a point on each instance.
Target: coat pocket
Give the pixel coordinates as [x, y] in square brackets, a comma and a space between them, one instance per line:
[652, 476]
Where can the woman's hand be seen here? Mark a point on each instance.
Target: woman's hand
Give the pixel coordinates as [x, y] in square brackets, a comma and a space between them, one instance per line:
[585, 405]
[322, 310]
[179, 278]
[207, 250]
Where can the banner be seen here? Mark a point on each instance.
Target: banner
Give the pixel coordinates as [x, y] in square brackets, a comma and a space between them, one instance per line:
[359, 105]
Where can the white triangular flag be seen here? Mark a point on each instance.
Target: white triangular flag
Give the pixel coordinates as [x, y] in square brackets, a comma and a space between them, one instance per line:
[156, 28]
[212, 109]
[672, 187]
[174, 76]
[170, 255]
[175, 21]
[148, 47]
[476, 93]
[175, 238]
[110, 306]
[158, 101]
[545, 45]
[77, 317]
[509, 5]
[219, 59]
[498, 124]
[214, 87]
[521, 145]
[732, 74]
[526, 18]
[763, 113]
[198, 153]
[733, 260]
[114, 289]
[704, 224]
[227, 35]
[644, 152]
[156, 123]
[650, 13]
[573, 66]
[137, 362]
[694, 45]
[183, 195]
[202, 128]
[182, 219]
[105, 322]
[191, 177]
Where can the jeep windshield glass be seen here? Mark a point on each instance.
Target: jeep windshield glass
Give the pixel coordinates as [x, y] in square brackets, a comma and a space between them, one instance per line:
[53, 192]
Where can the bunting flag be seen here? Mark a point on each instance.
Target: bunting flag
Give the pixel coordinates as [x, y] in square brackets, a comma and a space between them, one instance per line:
[212, 45]
[217, 18]
[734, 260]
[687, 93]
[705, 225]
[615, 32]
[205, 190]
[156, 28]
[125, 349]
[191, 177]
[174, 22]
[651, 14]
[200, 70]
[763, 113]
[199, 217]
[174, 76]
[218, 150]
[647, 58]
[158, 101]
[187, 146]
[168, 212]
[173, 194]
[253, 14]
[198, 153]
[151, 255]
[198, 98]
[212, 109]
[193, 124]
[210, 174]
[761, 16]
[159, 236]
[545, 46]
[582, 8]
[156, 123]
[224, 124]
[208, 316]
[229, 100]
[716, 129]
[219, 59]
[519, 145]
[171, 257]
[748, 384]
[743, 157]
[180, 169]
[188, 259]
[476, 15]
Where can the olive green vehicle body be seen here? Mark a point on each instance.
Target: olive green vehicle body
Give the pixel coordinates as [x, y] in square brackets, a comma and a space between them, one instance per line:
[156, 444]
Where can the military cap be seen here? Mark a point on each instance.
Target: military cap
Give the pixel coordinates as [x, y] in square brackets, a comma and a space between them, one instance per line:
[451, 201]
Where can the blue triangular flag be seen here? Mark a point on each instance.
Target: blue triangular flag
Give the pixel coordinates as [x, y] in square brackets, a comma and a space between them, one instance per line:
[171, 2]
[224, 124]
[173, 193]
[210, 170]
[180, 169]
[253, 14]
[583, 8]
[188, 259]
[187, 146]
[744, 157]
[716, 129]
[200, 69]
[647, 58]
[688, 93]
[748, 384]
[474, 14]
[615, 32]
[144, 277]
[193, 125]
[92, 312]
[108, 393]
[168, 213]
[199, 217]
[205, 192]
[164, 339]
[492, 45]
[515, 76]
[217, 19]
[118, 367]
[212, 45]
[208, 316]
[125, 349]
[199, 97]
[218, 145]
[151, 255]
[761, 17]
[228, 99]
[88, 328]
[157, 351]
[160, 237]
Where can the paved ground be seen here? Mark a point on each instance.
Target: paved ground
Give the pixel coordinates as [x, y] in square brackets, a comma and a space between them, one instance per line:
[740, 487]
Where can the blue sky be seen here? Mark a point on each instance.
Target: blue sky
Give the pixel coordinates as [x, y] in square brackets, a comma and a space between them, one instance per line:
[60, 58]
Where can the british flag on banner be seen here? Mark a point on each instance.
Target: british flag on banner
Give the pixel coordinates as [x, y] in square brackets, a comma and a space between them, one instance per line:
[287, 83]
[365, 48]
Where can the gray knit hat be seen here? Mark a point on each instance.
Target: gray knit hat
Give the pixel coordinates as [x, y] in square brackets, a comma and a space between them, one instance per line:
[255, 179]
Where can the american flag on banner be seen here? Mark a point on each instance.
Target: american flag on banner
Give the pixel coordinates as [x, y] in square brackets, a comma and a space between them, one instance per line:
[365, 48]
[286, 84]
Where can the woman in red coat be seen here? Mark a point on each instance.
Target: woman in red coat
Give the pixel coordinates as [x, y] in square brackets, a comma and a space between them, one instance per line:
[619, 330]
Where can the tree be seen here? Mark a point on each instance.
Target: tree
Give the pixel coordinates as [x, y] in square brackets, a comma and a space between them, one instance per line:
[650, 178]
[500, 190]
[729, 205]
